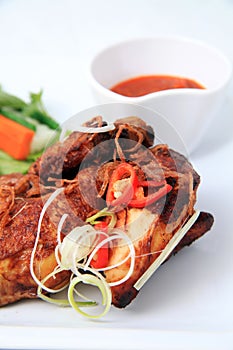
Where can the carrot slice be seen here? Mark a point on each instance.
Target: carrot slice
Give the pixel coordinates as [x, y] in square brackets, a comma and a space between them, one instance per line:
[15, 139]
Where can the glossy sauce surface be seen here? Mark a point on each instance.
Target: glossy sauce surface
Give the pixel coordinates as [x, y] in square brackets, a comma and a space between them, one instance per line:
[146, 84]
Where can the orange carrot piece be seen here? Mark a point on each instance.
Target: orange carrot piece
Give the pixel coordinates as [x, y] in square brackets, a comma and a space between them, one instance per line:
[15, 139]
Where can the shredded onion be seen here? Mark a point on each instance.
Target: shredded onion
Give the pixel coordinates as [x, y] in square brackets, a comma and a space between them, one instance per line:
[87, 130]
[61, 223]
[116, 234]
[77, 245]
[59, 302]
[76, 251]
[43, 211]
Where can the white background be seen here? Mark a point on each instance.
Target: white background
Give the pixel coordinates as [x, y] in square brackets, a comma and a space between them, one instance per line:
[188, 304]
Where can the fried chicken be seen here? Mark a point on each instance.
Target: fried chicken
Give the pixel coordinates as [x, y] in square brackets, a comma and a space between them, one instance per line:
[84, 184]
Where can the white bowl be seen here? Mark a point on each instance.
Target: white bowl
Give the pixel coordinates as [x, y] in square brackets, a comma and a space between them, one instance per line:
[188, 110]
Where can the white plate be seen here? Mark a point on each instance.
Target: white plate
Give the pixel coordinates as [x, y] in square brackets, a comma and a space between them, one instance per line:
[187, 304]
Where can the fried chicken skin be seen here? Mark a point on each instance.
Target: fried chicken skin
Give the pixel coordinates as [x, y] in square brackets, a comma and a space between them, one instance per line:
[22, 198]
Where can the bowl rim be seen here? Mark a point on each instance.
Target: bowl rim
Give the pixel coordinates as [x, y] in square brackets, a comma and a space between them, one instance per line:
[183, 39]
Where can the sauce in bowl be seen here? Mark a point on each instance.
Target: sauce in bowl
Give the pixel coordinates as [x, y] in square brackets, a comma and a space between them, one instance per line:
[146, 84]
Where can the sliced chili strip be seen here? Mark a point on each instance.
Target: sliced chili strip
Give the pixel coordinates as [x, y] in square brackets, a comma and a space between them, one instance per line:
[119, 174]
[100, 260]
[143, 202]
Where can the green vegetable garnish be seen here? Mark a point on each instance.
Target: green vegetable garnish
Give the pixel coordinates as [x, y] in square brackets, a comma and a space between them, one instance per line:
[33, 116]
[8, 166]
[36, 110]
[18, 118]
[7, 100]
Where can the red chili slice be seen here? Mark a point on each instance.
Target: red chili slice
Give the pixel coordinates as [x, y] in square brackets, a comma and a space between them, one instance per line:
[128, 195]
[120, 173]
[100, 260]
[143, 202]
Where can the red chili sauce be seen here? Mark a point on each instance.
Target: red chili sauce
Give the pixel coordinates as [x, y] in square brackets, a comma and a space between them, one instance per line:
[143, 85]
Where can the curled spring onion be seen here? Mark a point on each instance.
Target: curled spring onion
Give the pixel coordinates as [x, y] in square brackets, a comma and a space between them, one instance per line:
[117, 235]
[61, 223]
[88, 130]
[108, 127]
[43, 211]
[77, 250]
[76, 245]
[41, 284]
[102, 213]
[59, 302]
[101, 284]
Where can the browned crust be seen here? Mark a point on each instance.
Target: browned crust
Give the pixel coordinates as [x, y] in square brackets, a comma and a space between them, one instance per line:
[200, 227]
[177, 209]
[122, 297]
[18, 227]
